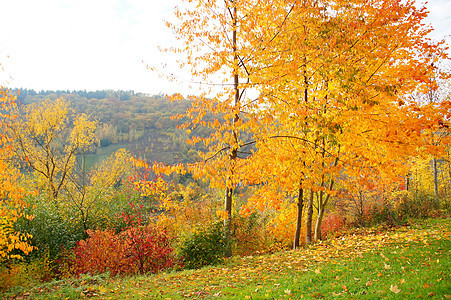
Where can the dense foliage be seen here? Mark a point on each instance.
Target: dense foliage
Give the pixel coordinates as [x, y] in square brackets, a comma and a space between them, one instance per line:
[205, 247]
[142, 249]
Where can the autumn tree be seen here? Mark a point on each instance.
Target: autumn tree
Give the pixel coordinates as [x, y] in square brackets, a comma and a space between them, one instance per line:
[11, 203]
[91, 190]
[48, 140]
[431, 98]
[334, 81]
[216, 50]
[339, 90]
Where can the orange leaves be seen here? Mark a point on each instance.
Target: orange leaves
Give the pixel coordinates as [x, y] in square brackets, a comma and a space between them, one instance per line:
[38, 133]
[332, 88]
[137, 249]
[11, 194]
[222, 214]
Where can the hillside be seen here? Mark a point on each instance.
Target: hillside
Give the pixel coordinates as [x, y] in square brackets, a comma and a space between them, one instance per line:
[407, 262]
[138, 122]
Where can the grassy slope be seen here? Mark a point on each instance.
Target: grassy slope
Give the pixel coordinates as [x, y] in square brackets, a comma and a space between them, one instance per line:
[405, 263]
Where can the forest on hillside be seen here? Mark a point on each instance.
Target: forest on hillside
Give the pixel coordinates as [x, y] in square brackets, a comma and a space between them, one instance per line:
[140, 123]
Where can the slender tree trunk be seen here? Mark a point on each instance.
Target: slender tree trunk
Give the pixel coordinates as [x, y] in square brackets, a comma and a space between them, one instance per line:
[319, 219]
[234, 152]
[408, 181]
[435, 170]
[322, 202]
[300, 205]
[228, 220]
[308, 227]
[52, 190]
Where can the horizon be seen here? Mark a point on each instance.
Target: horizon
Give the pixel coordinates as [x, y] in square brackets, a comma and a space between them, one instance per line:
[107, 45]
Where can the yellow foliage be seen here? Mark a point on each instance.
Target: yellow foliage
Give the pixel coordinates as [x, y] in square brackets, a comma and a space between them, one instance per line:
[93, 190]
[11, 203]
[282, 225]
[41, 137]
[83, 135]
[187, 209]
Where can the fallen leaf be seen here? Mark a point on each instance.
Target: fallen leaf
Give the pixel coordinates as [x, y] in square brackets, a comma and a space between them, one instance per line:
[394, 289]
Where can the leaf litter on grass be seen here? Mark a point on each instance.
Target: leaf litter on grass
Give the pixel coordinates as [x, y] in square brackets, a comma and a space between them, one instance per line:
[259, 276]
[280, 275]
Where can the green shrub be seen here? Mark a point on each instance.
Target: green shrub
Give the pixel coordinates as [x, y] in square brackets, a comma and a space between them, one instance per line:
[206, 247]
[419, 206]
[51, 227]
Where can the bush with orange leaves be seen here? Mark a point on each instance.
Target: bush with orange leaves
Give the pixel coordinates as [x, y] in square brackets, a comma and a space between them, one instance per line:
[140, 249]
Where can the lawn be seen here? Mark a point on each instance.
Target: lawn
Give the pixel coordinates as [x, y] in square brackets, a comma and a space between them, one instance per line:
[403, 263]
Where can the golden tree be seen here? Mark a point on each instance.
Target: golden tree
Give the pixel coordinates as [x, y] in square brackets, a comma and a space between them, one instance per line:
[11, 203]
[216, 51]
[42, 137]
[335, 88]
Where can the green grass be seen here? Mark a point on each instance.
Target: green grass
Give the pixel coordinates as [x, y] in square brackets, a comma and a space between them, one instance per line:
[406, 263]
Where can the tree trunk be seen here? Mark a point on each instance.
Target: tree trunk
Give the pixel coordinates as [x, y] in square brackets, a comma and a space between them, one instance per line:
[308, 236]
[322, 202]
[234, 152]
[300, 204]
[319, 219]
[52, 190]
[434, 168]
[228, 220]
[408, 181]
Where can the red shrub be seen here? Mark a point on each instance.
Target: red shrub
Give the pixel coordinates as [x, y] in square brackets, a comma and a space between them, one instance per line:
[150, 248]
[137, 249]
[332, 223]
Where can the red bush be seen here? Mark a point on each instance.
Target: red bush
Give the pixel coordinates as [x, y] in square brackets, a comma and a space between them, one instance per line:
[137, 249]
[150, 248]
[332, 223]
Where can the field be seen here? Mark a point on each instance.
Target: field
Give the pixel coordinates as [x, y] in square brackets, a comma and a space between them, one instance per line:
[403, 263]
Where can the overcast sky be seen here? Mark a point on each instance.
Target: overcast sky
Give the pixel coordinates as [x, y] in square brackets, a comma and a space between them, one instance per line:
[101, 44]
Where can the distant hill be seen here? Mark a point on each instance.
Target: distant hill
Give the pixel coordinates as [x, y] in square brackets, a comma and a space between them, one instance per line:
[138, 122]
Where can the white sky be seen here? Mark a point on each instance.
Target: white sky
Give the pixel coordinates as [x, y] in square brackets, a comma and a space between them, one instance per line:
[102, 44]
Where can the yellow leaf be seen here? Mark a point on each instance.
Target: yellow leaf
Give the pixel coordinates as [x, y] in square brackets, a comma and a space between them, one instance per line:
[394, 289]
